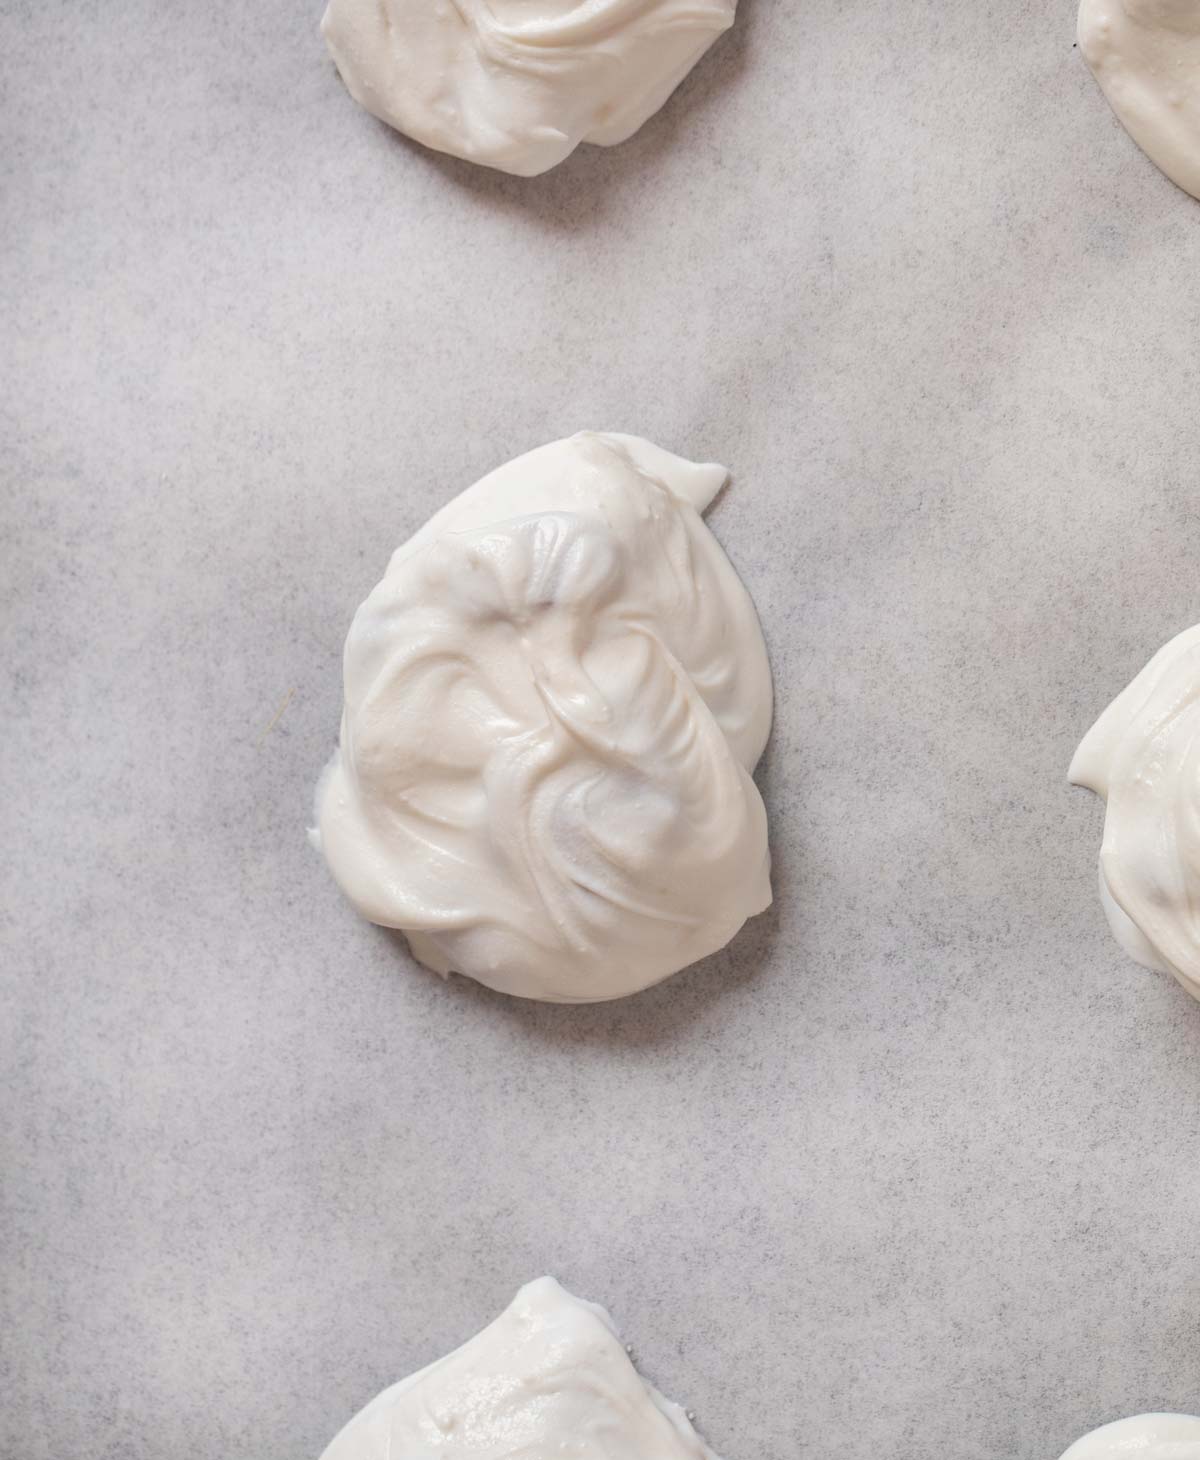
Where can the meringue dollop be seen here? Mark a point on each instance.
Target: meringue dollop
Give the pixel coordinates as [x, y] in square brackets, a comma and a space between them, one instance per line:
[1143, 756]
[548, 1377]
[1144, 1437]
[553, 703]
[1146, 56]
[518, 84]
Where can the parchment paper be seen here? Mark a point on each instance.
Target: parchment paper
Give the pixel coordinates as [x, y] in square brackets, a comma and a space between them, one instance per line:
[912, 1169]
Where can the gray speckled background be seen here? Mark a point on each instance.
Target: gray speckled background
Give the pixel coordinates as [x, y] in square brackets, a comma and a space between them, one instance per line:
[911, 1170]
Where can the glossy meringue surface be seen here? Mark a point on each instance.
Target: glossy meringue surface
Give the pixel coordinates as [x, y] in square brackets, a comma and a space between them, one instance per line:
[553, 704]
[518, 84]
[1146, 56]
[1143, 756]
[548, 1378]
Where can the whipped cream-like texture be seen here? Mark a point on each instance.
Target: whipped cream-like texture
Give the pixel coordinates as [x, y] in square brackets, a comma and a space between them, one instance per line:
[518, 84]
[549, 1377]
[1144, 1437]
[553, 703]
[1146, 56]
[1143, 756]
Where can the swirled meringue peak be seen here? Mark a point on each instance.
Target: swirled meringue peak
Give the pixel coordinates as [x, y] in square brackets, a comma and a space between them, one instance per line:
[1143, 757]
[1146, 56]
[518, 84]
[553, 703]
[548, 1378]
[1144, 1437]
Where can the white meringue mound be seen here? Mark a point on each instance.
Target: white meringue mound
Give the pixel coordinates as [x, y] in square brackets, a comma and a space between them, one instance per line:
[518, 84]
[1146, 56]
[553, 703]
[1143, 756]
[1144, 1437]
[548, 1377]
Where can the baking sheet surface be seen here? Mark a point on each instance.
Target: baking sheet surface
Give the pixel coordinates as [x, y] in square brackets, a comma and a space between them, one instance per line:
[913, 1168]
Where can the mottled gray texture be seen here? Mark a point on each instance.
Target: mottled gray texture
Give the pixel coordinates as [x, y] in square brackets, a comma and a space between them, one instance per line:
[910, 1171]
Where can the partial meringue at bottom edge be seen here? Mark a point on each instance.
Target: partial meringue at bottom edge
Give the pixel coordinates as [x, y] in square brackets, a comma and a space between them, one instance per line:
[1144, 1437]
[548, 1377]
[1143, 756]
[554, 701]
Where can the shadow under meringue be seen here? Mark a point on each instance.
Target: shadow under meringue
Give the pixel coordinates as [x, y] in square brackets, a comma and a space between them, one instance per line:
[657, 1016]
[580, 190]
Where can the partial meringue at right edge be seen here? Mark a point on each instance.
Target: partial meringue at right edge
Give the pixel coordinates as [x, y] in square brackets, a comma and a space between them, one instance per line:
[1143, 756]
[1144, 1437]
[1145, 54]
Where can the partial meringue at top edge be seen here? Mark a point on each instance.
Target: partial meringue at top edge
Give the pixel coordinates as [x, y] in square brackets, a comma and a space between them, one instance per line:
[1146, 56]
[554, 701]
[548, 1377]
[518, 84]
[1143, 756]
[1144, 1437]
